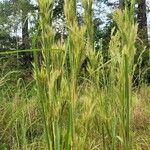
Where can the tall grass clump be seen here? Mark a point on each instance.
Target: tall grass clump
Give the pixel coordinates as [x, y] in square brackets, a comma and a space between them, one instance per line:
[122, 54]
[59, 90]
[49, 77]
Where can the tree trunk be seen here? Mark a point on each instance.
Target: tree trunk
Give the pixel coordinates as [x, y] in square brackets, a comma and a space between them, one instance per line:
[27, 56]
[121, 4]
[25, 33]
[142, 22]
[142, 41]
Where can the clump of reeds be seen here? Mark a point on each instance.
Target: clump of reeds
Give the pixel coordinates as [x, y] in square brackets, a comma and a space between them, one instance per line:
[54, 75]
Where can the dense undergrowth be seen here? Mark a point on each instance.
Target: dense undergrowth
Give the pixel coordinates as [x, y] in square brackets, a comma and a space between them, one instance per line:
[66, 105]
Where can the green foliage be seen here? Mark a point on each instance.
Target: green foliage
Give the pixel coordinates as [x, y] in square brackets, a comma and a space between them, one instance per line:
[57, 111]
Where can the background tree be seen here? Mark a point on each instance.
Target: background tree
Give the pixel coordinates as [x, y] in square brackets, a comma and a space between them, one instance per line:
[16, 33]
[7, 41]
[142, 22]
[143, 38]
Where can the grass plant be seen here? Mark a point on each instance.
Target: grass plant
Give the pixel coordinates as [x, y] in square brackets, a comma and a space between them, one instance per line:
[68, 108]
